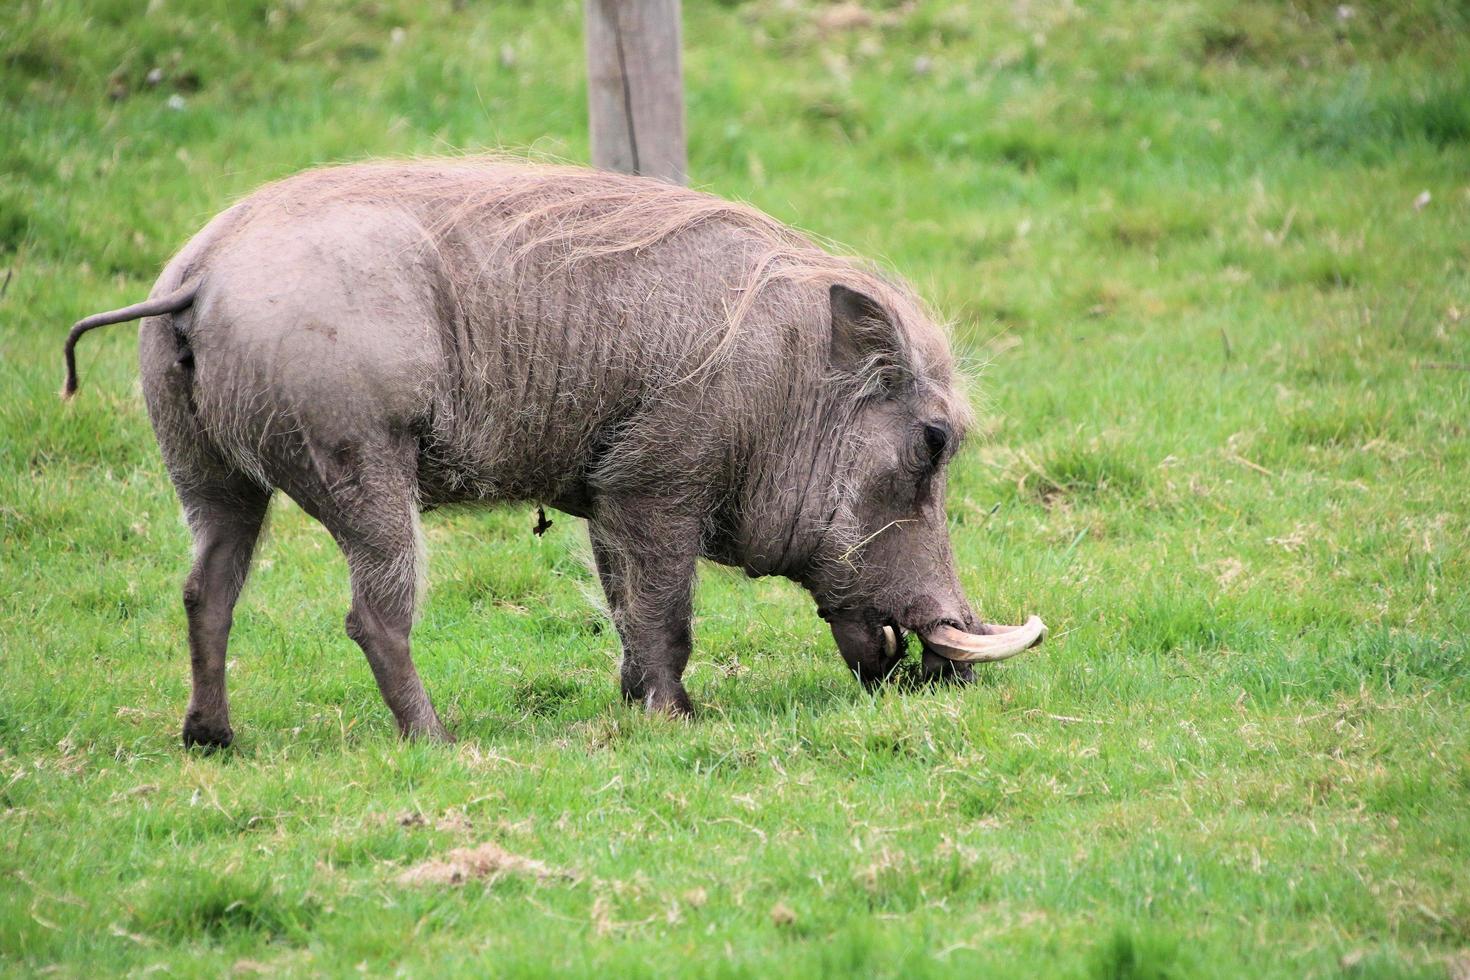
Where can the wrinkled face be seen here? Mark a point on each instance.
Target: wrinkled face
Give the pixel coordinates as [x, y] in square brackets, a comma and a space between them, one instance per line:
[885, 568]
[895, 574]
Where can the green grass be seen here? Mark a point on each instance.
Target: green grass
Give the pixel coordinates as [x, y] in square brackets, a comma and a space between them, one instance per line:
[1223, 451]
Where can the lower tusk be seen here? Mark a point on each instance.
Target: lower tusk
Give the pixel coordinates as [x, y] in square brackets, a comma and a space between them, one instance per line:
[890, 641]
[974, 648]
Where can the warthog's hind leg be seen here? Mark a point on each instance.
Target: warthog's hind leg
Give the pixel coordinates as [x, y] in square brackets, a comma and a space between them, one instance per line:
[225, 521]
[373, 514]
[379, 621]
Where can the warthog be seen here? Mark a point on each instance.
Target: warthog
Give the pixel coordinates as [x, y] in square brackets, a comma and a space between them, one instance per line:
[690, 376]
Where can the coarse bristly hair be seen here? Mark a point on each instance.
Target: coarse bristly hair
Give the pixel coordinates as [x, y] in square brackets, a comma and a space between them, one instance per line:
[546, 215]
[631, 333]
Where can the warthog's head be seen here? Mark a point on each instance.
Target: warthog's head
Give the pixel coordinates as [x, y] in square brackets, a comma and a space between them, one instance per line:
[872, 542]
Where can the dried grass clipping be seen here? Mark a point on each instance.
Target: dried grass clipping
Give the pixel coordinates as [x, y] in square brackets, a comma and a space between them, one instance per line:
[487, 862]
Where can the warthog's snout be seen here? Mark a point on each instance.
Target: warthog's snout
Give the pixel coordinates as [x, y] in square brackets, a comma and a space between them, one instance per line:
[874, 644]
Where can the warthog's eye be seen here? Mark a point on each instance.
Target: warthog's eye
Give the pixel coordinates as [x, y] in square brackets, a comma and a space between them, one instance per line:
[927, 447]
[936, 440]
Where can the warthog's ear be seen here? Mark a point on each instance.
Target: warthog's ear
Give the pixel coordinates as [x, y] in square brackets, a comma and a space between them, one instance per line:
[865, 337]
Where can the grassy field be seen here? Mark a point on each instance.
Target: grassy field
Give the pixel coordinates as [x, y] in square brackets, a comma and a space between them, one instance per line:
[1213, 258]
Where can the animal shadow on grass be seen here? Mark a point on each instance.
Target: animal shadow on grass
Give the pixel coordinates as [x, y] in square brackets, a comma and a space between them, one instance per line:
[199, 903]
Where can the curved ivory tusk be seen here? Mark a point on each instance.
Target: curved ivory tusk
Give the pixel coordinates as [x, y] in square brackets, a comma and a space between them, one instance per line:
[974, 648]
[890, 641]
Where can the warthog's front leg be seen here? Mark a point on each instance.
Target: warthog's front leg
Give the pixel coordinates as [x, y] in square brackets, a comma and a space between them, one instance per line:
[646, 560]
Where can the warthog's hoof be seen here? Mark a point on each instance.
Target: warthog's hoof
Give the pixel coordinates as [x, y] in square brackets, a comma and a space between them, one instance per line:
[435, 734]
[672, 701]
[209, 737]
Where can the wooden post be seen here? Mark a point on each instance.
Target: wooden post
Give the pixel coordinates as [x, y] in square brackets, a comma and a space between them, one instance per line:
[635, 87]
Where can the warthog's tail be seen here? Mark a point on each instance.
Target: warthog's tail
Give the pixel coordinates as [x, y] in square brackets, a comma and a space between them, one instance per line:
[175, 301]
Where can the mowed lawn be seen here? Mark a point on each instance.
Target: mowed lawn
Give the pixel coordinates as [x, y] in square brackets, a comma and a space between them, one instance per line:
[1210, 263]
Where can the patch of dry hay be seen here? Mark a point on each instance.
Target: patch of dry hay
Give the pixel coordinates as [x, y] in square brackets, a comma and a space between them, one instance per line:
[487, 862]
